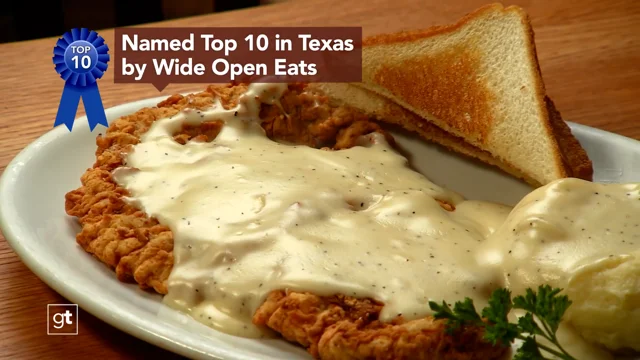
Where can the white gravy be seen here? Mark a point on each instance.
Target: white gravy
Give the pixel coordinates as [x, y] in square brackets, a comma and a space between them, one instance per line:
[562, 229]
[250, 215]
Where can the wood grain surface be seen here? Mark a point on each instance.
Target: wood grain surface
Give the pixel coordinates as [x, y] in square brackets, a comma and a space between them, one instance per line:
[589, 54]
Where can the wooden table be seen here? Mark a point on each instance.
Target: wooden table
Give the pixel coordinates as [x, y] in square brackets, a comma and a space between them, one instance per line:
[589, 53]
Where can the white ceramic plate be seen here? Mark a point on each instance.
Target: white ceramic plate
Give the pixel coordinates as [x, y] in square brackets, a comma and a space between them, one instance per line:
[33, 220]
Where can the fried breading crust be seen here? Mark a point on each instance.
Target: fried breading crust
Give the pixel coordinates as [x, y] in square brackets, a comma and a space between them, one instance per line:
[140, 249]
[341, 327]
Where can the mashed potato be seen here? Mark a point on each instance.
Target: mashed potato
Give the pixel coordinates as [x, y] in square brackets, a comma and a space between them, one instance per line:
[585, 238]
[606, 301]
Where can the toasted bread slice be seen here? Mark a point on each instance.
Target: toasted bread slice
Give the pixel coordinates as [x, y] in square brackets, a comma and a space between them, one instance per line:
[479, 80]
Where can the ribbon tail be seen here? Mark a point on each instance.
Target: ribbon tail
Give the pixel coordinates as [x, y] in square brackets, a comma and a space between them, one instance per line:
[93, 106]
[68, 106]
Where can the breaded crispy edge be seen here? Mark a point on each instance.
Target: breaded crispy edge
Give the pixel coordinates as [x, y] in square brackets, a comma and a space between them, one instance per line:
[342, 327]
[137, 247]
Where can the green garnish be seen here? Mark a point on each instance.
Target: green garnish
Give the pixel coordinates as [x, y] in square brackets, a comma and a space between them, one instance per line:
[546, 306]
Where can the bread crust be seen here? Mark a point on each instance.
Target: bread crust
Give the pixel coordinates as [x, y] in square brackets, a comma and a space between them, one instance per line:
[574, 157]
[412, 35]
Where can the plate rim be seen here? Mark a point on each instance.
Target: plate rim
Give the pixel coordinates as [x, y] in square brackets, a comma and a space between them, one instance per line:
[137, 326]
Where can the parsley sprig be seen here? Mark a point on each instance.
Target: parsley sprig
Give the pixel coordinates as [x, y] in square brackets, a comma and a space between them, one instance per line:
[545, 305]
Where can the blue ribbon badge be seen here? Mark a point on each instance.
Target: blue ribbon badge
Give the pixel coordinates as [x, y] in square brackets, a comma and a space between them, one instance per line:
[80, 57]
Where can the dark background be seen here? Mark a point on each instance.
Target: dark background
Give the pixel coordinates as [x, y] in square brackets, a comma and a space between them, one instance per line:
[27, 19]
